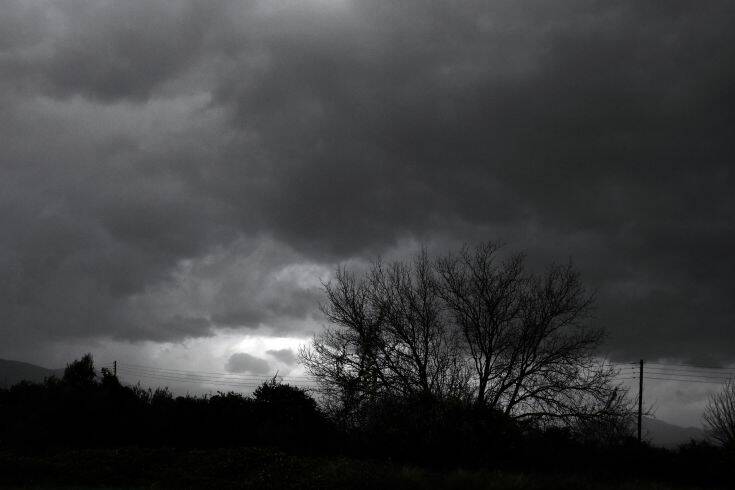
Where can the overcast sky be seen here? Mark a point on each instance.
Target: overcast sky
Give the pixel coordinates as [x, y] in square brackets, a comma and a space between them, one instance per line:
[178, 176]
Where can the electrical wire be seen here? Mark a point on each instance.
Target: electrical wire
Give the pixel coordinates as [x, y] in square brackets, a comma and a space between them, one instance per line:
[687, 375]
[193, 377]
[204, 372]
[207, 377]
[626, 372]
[684, 380]
[691, 368]
[191, 381]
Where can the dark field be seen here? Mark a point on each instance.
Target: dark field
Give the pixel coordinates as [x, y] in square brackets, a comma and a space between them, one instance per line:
[135, 468]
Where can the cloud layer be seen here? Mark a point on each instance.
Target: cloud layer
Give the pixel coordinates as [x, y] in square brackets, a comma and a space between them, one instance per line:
[170, 169]
[242, 362]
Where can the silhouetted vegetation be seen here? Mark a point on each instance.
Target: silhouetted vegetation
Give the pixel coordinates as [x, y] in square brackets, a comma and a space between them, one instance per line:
[45, 427]
[84, 409]
[467, 329]
[719, 415]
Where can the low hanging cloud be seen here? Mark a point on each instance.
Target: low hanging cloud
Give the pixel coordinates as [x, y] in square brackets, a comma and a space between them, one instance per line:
[242, 362]
[172, 169]
[286, 356]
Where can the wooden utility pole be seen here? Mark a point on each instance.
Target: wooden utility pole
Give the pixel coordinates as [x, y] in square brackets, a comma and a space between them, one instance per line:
[114, 371]
[640, 399]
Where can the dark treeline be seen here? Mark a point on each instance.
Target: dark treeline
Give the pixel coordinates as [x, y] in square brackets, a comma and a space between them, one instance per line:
[84, 408]
[87, 409]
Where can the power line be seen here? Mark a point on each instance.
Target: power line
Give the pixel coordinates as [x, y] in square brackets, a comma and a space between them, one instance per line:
[190, 380]
[690, 367]
[167, 381]
[197, 376]
[685, 380]
[688, 375]
[207, 372]
[657, 372]
[192, 377]
[129, 372]
[673, 366]
[184, 371]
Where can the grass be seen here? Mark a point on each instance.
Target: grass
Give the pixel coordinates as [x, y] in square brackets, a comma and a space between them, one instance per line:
[245, 468]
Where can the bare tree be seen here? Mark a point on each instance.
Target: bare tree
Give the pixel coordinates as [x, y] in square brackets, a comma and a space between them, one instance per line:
[416, 345]
[485, 300]
[466, 326]
[528, 337]
[389, 335]
[719, 415]
[551, 369]
[344, 356]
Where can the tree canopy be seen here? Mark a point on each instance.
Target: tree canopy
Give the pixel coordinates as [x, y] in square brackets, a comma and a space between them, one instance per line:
[474, 326]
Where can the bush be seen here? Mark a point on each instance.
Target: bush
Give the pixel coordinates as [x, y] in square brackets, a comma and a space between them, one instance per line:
[84, 409]
[437, 432]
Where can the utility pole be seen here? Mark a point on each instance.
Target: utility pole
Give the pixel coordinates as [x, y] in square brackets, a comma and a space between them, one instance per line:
[114, 371]
[640, 399]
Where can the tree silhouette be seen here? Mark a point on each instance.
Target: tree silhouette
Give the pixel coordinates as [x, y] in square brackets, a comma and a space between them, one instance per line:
[719, 415]
[466, 326]
[80, 372]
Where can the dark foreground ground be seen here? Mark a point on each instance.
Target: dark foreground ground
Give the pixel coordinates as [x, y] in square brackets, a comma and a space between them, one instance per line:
[134, 468]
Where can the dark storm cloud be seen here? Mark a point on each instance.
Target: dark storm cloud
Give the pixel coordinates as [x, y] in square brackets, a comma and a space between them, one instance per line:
[142, 139]
[242, 362]
[104, 50]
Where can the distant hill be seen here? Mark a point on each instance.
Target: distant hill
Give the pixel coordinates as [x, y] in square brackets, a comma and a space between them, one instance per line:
[664, 434]
[11, 372]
